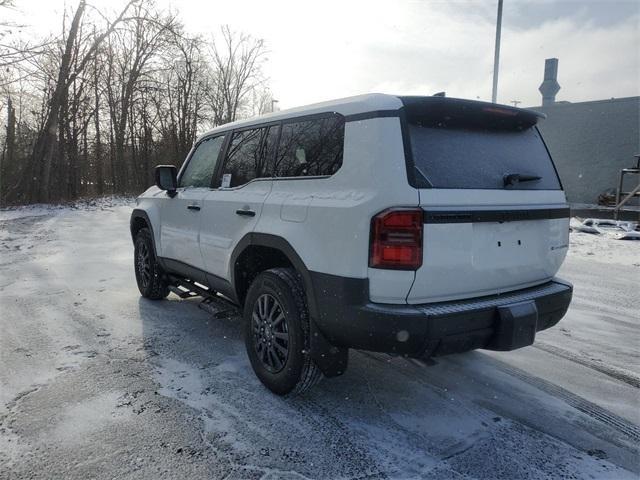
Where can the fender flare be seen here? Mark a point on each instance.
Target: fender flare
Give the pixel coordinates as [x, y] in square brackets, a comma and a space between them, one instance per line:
[139, 213]
[331, 360]
[277, 243]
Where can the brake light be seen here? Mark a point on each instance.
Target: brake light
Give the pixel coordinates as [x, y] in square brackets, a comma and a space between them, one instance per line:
[501, 111]
[396, 239]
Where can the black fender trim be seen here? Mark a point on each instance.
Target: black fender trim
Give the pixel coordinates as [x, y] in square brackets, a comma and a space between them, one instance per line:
[135, 214]
[332, 360]
[277, 243]
[139, 213]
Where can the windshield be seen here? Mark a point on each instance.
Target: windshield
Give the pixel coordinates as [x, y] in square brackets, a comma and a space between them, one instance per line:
[481, 158]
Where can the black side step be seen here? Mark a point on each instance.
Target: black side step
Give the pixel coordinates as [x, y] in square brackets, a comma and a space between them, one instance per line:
[219, 307]
[182, 293]
[213, 303]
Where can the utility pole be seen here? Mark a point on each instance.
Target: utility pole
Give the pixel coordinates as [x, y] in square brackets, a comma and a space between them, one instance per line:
[496, 58]
[516, 102]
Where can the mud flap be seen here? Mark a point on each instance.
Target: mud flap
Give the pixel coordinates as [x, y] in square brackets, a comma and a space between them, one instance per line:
[516, 326]
[331, 360]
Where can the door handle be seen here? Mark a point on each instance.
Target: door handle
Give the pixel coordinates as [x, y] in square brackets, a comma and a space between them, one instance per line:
[193, 207]
[246, 213]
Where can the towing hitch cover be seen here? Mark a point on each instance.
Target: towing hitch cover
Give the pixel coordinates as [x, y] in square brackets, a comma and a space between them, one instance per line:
[516, 326]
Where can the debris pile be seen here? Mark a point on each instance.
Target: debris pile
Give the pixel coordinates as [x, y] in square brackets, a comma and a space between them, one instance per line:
[615, 229]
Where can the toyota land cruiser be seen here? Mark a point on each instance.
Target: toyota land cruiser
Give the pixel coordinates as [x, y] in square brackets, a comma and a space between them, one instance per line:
[419, 226]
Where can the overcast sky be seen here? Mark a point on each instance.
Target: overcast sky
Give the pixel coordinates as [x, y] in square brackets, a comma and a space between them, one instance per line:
[326, 49]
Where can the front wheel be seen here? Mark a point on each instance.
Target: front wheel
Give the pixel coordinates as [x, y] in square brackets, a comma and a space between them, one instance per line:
[276, 331]
[149, 275]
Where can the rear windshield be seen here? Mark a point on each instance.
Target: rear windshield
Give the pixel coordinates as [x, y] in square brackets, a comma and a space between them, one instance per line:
[480, 158]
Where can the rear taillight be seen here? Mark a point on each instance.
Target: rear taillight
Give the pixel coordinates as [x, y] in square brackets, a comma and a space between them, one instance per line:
[501, 111]
[396, 239]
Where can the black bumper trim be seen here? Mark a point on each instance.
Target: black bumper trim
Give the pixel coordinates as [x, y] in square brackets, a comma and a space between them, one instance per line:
[348, 319]
[444, 308]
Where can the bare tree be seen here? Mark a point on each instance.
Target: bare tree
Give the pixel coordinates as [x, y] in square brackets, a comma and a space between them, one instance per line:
[92, 111]
[45, 147]
[137, 48]
[98, 69]
[8, 153]
[179, 97]
[235, 73]
[262, 101]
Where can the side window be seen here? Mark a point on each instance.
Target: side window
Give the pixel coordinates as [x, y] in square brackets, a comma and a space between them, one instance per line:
[310, 148]
[269, 148]
[245, 159]
[202, 164]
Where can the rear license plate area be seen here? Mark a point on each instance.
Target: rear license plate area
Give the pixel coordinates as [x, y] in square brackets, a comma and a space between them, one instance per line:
[500, 245]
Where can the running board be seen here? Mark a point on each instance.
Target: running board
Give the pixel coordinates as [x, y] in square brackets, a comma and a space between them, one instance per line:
[219, 307]
[212, 303]
[182, 293]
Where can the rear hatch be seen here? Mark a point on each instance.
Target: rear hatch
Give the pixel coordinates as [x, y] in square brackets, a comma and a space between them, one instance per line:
[495, 215]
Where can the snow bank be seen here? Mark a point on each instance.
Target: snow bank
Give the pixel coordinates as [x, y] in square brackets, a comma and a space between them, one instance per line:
[39, 209]
[603, 248]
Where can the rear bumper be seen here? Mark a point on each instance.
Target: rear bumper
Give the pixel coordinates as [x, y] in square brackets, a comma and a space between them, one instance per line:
[499, 322]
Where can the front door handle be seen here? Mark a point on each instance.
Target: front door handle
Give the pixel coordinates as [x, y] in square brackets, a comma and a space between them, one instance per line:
[193, 207]
[246, 213]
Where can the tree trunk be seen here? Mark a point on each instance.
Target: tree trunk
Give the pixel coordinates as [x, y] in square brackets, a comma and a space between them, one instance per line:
[114, 159]
[98, 149]
[45, 145]
[59, 176]
[7, 158]
[73, 175]
[82, 185]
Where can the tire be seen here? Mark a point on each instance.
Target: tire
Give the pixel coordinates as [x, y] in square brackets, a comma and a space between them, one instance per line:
[149, 274]
[275, 308]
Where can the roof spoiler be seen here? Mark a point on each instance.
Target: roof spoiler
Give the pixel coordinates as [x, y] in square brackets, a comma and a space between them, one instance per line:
[456, 112]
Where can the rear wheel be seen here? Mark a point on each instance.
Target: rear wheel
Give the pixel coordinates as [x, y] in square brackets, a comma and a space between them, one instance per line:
[276, 328]
[149, 275]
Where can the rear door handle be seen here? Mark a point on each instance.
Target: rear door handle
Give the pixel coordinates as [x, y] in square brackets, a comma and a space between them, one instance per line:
[246, 213]
[193, 207]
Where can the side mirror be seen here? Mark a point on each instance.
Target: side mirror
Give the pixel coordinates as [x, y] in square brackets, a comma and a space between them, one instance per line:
[167, 178]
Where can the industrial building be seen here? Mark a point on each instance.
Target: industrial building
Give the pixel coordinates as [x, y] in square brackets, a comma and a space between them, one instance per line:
[591, 142]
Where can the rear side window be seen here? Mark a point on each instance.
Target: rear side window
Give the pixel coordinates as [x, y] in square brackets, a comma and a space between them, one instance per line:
[245, 159]
[480, 158]
[202, 164]
[310, 148]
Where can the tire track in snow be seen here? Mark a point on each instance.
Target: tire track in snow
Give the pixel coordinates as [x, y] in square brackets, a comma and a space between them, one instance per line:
[617, 423]
[339, 438]
[614, 372]
[594, 411]
[458, 448]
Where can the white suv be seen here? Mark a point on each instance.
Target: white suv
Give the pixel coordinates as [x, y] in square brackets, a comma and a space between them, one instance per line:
[418, 226]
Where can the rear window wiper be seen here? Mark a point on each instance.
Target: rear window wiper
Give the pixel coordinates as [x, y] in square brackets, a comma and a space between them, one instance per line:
[511, 179]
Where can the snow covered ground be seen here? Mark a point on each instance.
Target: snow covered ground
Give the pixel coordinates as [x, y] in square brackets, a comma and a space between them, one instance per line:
[96, 382]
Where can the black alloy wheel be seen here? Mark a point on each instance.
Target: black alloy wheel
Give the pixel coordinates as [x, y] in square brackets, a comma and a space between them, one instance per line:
[270, 333]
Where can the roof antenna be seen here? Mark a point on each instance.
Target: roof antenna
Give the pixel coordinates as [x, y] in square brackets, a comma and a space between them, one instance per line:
[440, 94]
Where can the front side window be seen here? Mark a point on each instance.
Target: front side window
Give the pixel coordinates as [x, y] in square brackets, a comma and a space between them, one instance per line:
[202, 164]
[245, 158]
[310, 148]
